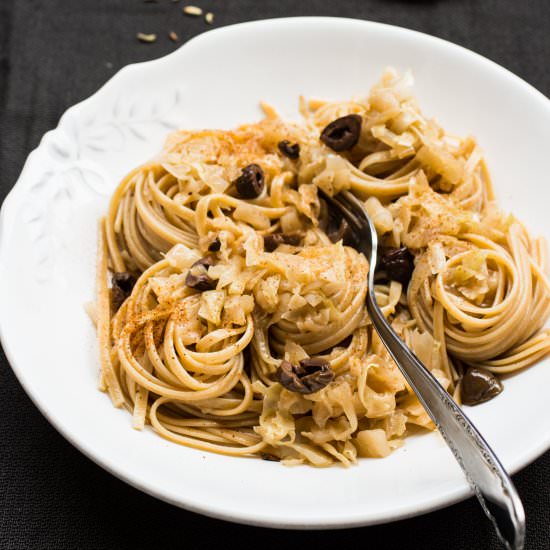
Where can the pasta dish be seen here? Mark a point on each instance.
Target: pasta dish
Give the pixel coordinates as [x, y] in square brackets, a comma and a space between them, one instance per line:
[231, 305]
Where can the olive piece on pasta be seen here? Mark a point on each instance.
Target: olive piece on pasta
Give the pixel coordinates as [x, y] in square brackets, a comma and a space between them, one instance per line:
[398, 263]
[343, 133]
[215, 245]
[310, 376]
[122, 285]
[479, 385]
[273, 240]
[293, 239]
[334, 225]
[250, 183]
[290, 150]
[197, 276]
[270, 457]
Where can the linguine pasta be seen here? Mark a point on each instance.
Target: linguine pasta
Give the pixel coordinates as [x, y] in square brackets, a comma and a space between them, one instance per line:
[231, 311]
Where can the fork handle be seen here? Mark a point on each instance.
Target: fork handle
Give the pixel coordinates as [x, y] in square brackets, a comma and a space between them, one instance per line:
[484, 472]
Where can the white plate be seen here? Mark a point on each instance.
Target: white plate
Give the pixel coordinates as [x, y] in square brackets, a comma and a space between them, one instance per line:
[47, 256]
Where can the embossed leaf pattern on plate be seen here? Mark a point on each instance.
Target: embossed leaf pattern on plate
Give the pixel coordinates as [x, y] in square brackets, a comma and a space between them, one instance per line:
[73, 166]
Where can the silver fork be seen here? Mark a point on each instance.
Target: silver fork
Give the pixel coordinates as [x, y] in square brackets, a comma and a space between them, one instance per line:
[487, 477]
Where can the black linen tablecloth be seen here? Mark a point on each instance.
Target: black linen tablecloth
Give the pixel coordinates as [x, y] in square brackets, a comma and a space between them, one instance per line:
[54, 53]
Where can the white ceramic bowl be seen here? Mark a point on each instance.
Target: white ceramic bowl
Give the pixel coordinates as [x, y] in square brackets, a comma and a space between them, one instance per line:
[47, 256]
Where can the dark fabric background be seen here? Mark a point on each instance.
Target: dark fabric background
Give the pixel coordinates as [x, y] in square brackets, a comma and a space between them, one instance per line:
[54, 53]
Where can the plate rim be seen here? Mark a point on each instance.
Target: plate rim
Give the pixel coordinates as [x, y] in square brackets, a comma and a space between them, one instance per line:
[8, 207]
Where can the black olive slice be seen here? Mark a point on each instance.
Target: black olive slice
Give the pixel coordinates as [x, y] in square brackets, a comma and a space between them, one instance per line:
[250, 183]
[215, 245]
[197, 276]
[122, 285]
[273, 240]
[334, 225]
[398, 263]
[290, 150]
[479, 385]
[270, 457]
[343, 133]
[310, 376]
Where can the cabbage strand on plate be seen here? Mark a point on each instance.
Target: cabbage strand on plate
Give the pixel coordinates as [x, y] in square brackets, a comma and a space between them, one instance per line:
[231, 310]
